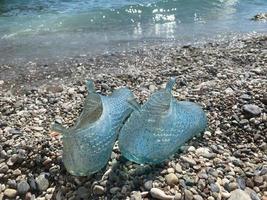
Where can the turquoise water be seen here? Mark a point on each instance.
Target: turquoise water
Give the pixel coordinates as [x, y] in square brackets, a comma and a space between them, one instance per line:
[54, 29]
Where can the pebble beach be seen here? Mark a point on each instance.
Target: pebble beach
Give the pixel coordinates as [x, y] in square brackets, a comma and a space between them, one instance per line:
[229, 160]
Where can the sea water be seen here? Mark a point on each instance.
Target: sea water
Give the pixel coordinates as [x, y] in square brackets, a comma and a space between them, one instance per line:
[47, 29]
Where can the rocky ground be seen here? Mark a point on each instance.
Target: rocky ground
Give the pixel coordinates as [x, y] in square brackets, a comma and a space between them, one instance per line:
[228, 162]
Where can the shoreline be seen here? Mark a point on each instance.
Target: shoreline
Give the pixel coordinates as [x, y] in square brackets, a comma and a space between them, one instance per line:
[225, 79]
[21, 75]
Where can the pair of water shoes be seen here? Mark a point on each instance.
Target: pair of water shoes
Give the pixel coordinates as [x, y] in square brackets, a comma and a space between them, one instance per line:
[146, 134]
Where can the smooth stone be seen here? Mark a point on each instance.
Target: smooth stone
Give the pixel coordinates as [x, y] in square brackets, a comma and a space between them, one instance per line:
[32, 183]
[258, 180]
[205, 152]
[23, 187]
[239, 194]
[226, 194]
[241, 182]
[3, 168]
[148, 185]
[37, 128]
[210, 198]
[253, 195]
[170, 170]
[136, 196]
[232, 186]
[171, 179]
[54, 88]
[197, 197]
[229, 91]
[190, 161]
[10, 193]
[191, 149]
[245, 97]
[114, 190]
[12, 183]
[252, 109]
[98, 190]
[188, 195]
[42, 182]
[17, 172]
[159, 194]
[178, 168]
[178, 196]
[214, 188]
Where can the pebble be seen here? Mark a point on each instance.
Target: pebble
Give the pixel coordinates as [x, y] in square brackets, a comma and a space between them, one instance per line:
[190, 161]
[159, 194]
[252, 109]
[188, 195]
[239, 194]
[226, 194]
[178, 168]
[191, 149]
[205, 152]
[136, 196]
[3, 168]
[171, 179]
[114, 190]
[42, 182]
[214, 188]
[178, 196]
[258, 180]
[245, 97]
[198, 197]
[229, 91]
[148, 185]
[232, 186]
[10, 193]
[12, 183]
[23, 187]
[98, 190]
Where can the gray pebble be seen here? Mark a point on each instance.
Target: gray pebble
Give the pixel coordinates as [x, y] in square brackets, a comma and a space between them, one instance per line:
[23, 187]
[42, 182]
[239, 195]
[148, 185]
[188, 195]
[214, 188]
[252, 109]
[190, 161]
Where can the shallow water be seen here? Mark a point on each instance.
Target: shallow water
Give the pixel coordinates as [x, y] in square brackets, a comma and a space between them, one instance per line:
[50, 29]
